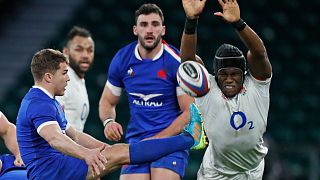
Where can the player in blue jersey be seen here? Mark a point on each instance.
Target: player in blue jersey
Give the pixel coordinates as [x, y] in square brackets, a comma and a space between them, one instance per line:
[11, 166]
[52, 149]
[146, 69]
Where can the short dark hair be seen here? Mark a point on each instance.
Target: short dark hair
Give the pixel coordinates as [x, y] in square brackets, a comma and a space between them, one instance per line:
[148, 9]
[46, 60]
[77, 31]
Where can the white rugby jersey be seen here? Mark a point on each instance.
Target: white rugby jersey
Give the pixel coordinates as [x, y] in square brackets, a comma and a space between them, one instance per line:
[235, 126]
[75, 101]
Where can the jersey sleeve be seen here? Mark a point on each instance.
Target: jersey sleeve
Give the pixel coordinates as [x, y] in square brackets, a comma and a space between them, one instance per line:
[41, 114]
[261, 86]
[114, 78]
[174, 65]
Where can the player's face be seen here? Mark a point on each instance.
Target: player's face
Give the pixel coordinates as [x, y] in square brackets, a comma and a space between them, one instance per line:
[80, 51]
[60, 79]
[230, 81]
[149, 29]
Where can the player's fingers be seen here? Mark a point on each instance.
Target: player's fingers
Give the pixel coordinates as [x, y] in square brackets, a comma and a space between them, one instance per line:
[96, 170]
[18, 163]
[106, 132]
[117, 133]
[218, 14]
[100, 162]
[103, 160]
[93, 171]
[113, 136]
[221, 2]
[121, 131]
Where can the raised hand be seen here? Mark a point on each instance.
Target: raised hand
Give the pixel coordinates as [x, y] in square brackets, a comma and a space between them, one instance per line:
[193, 8]
[230, 10]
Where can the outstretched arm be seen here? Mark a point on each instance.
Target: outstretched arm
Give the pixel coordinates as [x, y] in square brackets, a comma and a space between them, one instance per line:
[257, 57]
[192, 9]
[63, 143]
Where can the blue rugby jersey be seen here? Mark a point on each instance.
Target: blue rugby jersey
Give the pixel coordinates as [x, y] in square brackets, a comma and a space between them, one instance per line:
[151, 87]
[37, 110]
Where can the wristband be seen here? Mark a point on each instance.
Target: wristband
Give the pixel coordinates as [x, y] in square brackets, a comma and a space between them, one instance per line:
[105, 122]
[239, 25]
[190, 26]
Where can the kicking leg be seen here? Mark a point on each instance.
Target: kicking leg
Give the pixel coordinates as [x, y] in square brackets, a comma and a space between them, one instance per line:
[153, 149]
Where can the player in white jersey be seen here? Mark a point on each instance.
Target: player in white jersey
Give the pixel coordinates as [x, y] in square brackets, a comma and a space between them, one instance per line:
[236, 108]
[79, 49]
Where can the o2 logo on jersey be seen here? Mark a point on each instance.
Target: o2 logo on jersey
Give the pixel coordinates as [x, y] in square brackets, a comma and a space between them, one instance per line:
[238, 120]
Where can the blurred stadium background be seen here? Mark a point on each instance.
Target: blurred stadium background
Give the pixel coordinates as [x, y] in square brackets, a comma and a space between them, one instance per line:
[289, 28]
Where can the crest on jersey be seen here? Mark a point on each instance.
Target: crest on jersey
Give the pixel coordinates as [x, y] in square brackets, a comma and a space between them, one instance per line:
[130, 72]
[162, 74]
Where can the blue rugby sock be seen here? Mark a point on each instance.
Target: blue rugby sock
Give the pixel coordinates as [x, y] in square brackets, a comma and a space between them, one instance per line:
[151, 150]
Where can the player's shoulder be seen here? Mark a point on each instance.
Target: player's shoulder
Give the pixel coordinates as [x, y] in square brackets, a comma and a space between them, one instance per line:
[250, 79]
[170, 48]
[172, 51]
[36, 94]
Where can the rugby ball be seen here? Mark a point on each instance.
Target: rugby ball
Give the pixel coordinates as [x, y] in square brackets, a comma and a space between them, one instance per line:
[193, 78]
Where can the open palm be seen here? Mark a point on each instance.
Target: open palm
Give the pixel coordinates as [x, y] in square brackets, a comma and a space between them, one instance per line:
[230, 10]
[193, 8]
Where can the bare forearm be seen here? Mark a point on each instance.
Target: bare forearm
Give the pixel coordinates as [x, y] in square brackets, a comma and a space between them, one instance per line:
[189, 40]
[10, 140]
[67, 146]
[175, 127]
[87, 141]
[106, 109]
[252, 41]
[257, 56]
[106, 112]
[188, 47]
